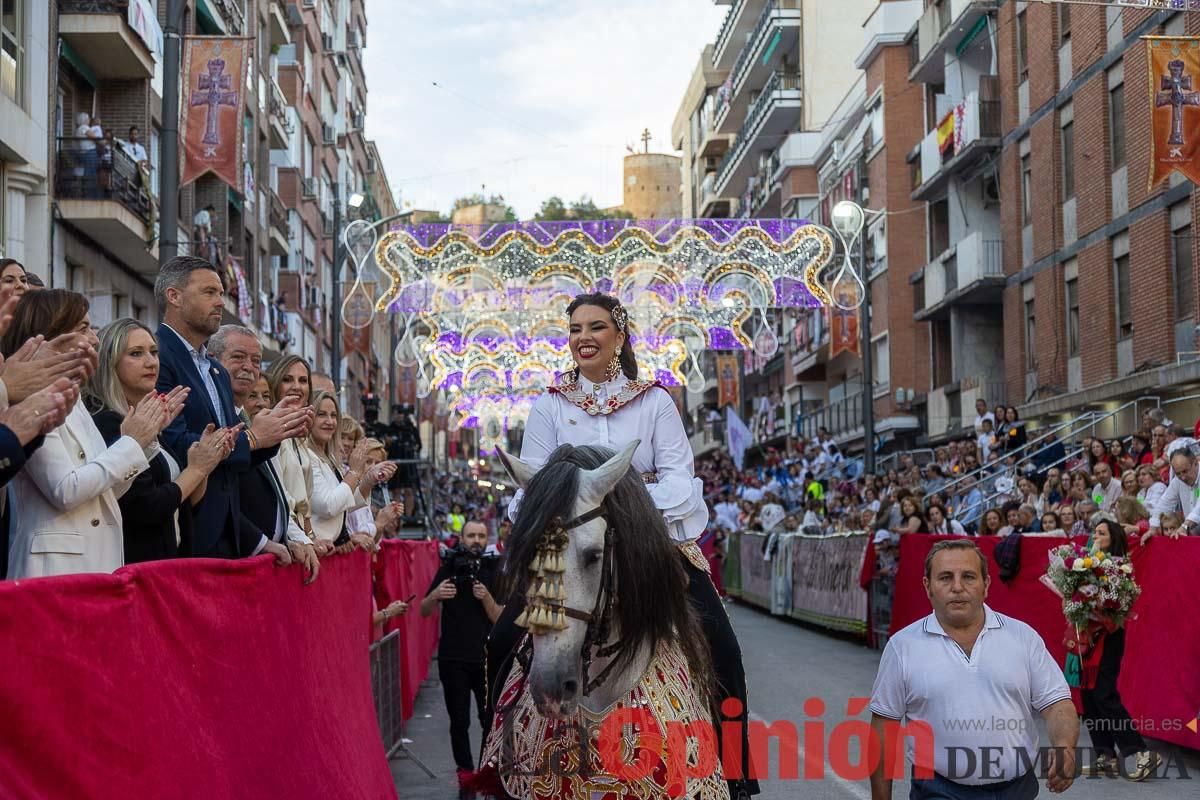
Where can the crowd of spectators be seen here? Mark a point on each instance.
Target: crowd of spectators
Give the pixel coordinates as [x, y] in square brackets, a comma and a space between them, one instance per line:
[998, 479]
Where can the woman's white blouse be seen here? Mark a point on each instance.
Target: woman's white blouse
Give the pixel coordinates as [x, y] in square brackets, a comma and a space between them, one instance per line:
[664, 449]
[331, 499]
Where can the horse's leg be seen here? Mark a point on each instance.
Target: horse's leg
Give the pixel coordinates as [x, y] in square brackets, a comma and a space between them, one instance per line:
[727, 664]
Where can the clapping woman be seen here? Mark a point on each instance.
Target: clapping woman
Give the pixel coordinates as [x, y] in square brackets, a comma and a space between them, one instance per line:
[67, 519]
[125, 377]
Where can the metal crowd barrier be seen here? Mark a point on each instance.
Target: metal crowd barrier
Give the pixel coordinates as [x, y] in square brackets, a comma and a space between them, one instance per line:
[883, 589]
[387, 684]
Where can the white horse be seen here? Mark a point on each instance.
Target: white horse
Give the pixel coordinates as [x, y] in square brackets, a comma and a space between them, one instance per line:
[611, 636]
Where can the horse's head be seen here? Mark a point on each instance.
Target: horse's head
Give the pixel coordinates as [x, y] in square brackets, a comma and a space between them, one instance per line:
[565, 550]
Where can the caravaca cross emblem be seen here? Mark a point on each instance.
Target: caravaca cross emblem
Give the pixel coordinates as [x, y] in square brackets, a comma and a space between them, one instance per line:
[215, 90]
[1176, 93]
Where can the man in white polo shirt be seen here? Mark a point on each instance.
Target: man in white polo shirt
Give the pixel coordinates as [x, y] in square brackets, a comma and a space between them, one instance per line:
[975, 678]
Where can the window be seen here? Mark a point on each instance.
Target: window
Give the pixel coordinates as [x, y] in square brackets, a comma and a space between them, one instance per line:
[1181, 273]
[1022, 48]
[11, 49]
[1027, 188]
[154, 145]
[1073, 317]
[881, 363]
[1116, 125]
[1124, 301]
[1064, 24]
[1030, 337]
[1068, 161]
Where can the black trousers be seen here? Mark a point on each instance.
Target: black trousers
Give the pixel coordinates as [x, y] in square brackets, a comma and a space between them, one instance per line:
[460, 680]
[726, 655]
[1104, 714]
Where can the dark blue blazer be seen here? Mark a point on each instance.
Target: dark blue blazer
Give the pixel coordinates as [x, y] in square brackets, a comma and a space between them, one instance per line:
[12, 459]
[217, 518]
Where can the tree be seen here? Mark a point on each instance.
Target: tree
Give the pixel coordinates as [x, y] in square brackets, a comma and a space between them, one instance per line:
[555, 210]
[476, 199]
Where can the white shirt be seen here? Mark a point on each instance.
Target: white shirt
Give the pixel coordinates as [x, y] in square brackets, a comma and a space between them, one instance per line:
[925, 676]
[1178, 496]
[1108, 495]
[651, 418]
[1150, 496]
[949, 526]
[206, 370]
[135, 151]
[727, 515]
[981, 417]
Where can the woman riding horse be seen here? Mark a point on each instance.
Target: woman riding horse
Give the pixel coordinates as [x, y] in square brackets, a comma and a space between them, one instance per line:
[602, 402]
[589, 555]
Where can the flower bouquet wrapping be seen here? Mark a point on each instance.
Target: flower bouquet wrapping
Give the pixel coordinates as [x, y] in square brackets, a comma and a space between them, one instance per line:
[1097, 591]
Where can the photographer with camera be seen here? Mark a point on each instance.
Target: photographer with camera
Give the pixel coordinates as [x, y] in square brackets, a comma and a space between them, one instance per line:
[463, 586]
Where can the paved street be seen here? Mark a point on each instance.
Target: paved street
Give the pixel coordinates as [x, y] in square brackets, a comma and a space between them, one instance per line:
[786, 664]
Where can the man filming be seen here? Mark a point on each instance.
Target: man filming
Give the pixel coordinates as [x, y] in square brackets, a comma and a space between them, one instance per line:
[463, 587]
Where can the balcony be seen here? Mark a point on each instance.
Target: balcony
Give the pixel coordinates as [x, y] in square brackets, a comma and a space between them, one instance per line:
[765, 48]
[712, 204]
[810, 343]
[104, 197]
[976, 135]
[732, 35]
[117, 38]
[278, 31]
[280, 245]
[843, 419]
[765, 196]
[280, 119]
[971, 272]
[943, 29]
[772, 115]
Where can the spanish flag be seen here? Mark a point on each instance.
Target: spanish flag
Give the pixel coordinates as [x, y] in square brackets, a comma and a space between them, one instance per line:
[945, 133]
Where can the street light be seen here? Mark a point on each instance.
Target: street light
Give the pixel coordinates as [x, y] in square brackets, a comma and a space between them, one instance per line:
[848, 219]
[355, 200]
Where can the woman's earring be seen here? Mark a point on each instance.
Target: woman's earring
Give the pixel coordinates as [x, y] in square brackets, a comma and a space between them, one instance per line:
[614, 366]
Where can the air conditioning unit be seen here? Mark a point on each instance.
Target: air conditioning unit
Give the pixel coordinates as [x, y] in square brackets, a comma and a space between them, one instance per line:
[991, 190]
[328, 135]
[310, 3]
[327, 42]
[310, 187]
[328, 227]
[353, 41]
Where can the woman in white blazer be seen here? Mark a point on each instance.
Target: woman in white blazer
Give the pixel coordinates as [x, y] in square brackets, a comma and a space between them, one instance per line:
[65, 514]
[334, 494]
[290, 376]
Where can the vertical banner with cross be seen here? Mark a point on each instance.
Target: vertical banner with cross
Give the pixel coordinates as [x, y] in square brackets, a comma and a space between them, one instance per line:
[844, 323]
[1174, 65]
[213, 104]
[727, 381]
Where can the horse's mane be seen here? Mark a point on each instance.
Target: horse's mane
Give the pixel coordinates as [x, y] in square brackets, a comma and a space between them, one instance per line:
[653, 606]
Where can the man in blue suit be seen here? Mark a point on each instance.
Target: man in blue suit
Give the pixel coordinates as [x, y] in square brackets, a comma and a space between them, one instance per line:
[190, 297]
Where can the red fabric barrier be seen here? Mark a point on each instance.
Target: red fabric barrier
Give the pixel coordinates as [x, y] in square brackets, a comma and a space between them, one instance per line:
[1164, 701]
[405, 568]
[190, 679]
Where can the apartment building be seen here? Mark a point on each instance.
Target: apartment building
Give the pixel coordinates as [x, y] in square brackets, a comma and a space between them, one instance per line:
[1100, 293]
[955, 172]
[25, 124]
[862, 154]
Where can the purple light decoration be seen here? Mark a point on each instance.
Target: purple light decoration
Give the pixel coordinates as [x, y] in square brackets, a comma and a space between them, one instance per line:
[665, 377]
[723, 339]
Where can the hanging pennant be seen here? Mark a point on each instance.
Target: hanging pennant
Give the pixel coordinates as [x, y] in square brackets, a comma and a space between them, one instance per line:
[1174, 64]
[213, 104]
[844, 324]
[727, 381]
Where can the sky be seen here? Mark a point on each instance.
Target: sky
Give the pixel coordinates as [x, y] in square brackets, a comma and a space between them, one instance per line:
[525, 98]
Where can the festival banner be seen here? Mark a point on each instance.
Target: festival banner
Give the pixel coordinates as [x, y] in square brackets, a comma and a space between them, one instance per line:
[737, 436]
[213, 105]
[844, 323]
[1174, 64]
[356, 325]
[727, 381]
[824, 581]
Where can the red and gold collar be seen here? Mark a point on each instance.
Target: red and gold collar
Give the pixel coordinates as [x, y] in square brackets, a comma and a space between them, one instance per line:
[574, 394]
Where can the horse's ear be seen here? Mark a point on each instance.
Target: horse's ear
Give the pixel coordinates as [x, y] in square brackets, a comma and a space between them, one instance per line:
[597, 483]
[517, 469]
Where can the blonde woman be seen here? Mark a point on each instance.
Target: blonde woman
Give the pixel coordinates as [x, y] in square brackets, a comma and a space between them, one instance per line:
[290, 376]
[334, 493]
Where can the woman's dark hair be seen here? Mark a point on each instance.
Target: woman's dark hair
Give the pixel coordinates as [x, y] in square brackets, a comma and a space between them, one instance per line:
[51, 313]
[5, 263]
[649, 570]
[1057, 520]
[628, 360]
[1016, 414]
[1118, 544]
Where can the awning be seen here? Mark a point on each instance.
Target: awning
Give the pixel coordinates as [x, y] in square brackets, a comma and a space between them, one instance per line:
[78, 63]
[207, 20]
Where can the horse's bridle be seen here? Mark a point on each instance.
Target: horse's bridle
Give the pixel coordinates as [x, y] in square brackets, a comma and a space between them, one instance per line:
[599, 619]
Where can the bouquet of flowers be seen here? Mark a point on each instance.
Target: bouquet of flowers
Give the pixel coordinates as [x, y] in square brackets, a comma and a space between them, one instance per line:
[1094, 587]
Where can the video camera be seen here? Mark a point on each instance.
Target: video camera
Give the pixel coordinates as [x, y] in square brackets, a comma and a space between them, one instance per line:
[466, 567]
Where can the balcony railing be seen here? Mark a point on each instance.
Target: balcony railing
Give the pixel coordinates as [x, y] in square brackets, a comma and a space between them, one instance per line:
[231, 13]
[727, 26]
[779, 81]
[88, 169]
[838, 418]
[752, 43]
[975, 259]
[974, 120]
[278, 212]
